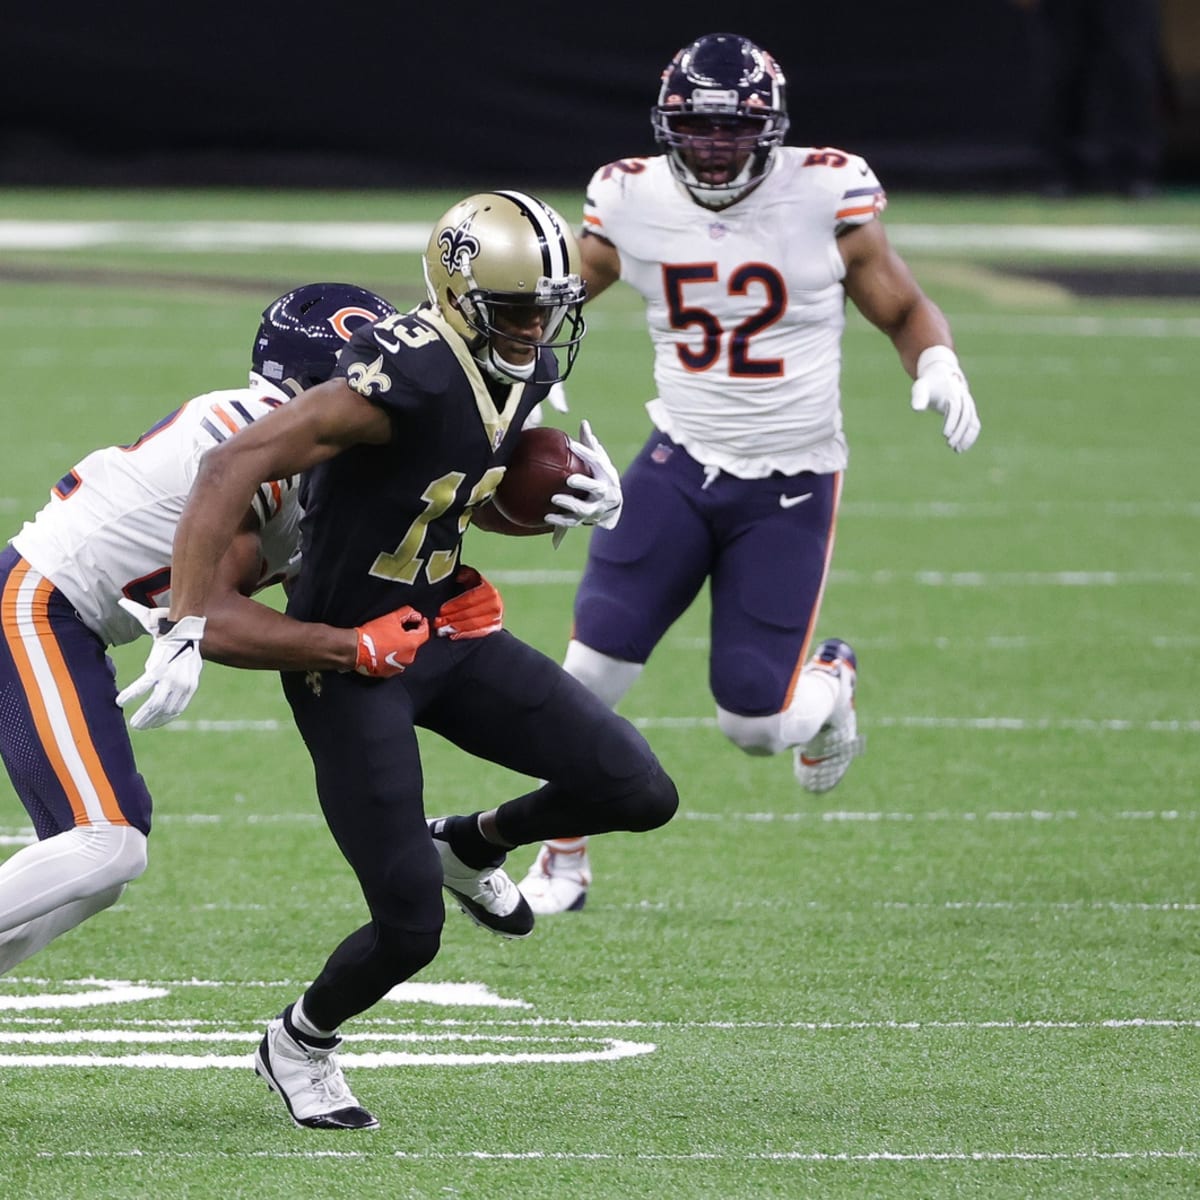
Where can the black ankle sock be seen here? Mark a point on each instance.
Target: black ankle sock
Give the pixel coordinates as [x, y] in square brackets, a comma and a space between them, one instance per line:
[468, 843]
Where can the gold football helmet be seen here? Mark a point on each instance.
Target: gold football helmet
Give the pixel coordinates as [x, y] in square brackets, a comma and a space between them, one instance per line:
[502, 267]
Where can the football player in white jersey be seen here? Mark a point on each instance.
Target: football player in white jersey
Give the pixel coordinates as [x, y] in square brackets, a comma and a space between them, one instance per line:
[744, 251]
[92, 569]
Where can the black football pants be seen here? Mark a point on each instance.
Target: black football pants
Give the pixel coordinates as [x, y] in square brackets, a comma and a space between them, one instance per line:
[498, 699]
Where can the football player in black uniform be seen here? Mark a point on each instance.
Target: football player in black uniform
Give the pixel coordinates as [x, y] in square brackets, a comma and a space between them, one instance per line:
[401, 451]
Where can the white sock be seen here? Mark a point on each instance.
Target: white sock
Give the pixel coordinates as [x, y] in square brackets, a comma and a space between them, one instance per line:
[812, 705]
[305, 1026]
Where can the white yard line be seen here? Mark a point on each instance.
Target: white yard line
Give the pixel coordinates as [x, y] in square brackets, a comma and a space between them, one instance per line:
[1107, 241]
[605, 1050]
[371, 1028]
[1102, 578]
[13, 835]
[980, 724]
[366, 237]
[565, 1156]
[1078, 325]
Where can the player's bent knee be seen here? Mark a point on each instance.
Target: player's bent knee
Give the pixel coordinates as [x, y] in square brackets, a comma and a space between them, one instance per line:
[109, 855]
[655, 802]
[407, 952]
[758, 736]
[405, 893]
[133, 856]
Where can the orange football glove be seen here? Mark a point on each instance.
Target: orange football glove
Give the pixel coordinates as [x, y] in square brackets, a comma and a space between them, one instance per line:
[388, 644]
[475, 613]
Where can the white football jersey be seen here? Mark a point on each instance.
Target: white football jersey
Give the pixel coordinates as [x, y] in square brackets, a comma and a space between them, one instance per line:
[109, 526]
[745, 306]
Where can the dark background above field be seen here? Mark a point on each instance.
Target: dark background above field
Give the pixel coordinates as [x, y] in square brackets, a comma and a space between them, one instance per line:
[934, 95]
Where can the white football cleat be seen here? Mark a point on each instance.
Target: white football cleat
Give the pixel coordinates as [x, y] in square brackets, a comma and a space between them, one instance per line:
[487, 895]
[559, 879]
[821, 764]
[305, 1073]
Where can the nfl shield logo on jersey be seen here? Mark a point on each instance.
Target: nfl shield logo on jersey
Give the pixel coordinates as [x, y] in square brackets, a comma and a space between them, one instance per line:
[661, 453]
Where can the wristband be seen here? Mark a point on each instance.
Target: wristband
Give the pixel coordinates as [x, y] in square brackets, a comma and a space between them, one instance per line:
[937, 354]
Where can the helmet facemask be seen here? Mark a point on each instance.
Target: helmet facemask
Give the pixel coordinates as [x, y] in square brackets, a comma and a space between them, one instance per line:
[504, 322]
[721, 112]
[718, 158]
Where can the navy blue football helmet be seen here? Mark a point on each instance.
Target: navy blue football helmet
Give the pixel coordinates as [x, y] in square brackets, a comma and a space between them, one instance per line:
[721, 111]
[303, 332]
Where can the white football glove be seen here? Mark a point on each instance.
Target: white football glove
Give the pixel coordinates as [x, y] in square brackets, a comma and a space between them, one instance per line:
[941, 385]
[602, 504]
[172, 666]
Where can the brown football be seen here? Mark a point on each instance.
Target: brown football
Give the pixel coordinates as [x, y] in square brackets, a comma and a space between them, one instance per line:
[537, 471]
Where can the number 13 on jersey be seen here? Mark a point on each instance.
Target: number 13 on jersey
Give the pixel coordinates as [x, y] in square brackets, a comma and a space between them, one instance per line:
[403, 564]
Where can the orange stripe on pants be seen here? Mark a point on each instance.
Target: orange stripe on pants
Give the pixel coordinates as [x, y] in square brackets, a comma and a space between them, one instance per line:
[816, 612]
[38, 615]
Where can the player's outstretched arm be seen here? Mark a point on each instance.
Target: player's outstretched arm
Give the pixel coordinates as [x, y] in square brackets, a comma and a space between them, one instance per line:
[312, 428]
[246, 633]
[251, 635]
[242, 632]
[886, 293]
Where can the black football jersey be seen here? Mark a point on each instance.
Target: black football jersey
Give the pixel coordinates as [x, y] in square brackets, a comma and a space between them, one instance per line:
[383, 525]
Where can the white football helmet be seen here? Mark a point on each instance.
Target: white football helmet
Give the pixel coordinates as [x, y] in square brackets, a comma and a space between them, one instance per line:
[504, 265]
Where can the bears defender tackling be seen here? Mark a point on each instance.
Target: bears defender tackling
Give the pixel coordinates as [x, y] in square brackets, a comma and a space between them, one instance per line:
[744, 251]
[88, 572]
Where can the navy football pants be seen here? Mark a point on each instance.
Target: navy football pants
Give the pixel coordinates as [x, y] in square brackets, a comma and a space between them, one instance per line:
[763, 545]
[63, 739]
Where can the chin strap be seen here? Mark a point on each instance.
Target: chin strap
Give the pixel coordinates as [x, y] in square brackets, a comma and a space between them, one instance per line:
[719, 196]
[501, 370]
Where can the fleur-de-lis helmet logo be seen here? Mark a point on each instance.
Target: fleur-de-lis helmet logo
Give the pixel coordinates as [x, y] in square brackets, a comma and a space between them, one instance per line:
[459, 245]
